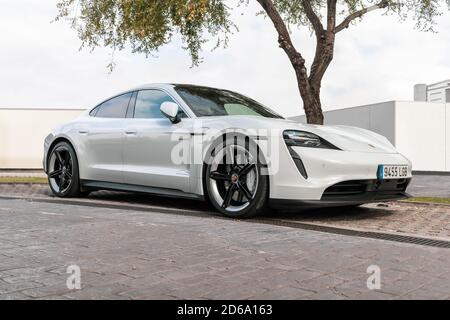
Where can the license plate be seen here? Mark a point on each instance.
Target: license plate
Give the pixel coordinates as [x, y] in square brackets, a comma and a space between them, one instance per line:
[392, 172]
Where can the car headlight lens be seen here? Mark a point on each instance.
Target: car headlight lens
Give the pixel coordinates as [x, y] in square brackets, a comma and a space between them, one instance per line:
[296, 138]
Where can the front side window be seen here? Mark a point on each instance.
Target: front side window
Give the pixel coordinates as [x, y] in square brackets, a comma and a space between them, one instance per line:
[209, 102]
[148, 104]
[115, 107]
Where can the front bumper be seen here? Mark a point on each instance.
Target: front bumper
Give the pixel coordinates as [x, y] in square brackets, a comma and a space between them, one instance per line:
[327, 168]
[349, 193]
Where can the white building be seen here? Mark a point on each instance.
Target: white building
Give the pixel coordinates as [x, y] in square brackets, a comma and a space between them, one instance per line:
[419, 129]
[436, 92]
[22, 134]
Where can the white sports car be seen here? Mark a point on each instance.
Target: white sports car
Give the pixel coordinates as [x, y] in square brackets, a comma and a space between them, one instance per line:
[204, 143]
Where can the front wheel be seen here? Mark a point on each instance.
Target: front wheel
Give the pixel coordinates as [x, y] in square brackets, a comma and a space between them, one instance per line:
[63, 174]
[234, 179]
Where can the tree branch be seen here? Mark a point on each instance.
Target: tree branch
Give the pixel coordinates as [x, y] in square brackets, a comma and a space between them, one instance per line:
[311, 102]
[331, 15]
[324, 48]
[312, 17]
[358, 14]
[284, 38]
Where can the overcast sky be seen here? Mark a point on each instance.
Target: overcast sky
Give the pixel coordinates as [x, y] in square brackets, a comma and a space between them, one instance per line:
[379, 59]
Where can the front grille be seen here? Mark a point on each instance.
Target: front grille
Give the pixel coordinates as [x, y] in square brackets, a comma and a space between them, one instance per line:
[359, 189]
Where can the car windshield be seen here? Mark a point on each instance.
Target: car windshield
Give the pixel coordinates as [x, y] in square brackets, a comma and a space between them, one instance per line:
[209, 102]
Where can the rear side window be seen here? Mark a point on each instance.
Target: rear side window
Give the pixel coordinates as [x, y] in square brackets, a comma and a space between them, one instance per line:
[115, 107]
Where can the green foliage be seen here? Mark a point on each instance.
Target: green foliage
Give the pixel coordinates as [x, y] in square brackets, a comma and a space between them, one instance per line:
[146, 25]
[23, 180]
[429, 200]
[422, 12]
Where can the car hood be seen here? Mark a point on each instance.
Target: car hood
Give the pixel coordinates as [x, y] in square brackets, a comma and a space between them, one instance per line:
[353, 138]
[344, 137]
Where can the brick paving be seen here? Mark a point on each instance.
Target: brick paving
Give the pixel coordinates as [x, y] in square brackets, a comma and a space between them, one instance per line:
[127, 254]
[430, 221]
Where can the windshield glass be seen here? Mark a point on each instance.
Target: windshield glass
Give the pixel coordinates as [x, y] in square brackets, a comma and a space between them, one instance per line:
[209, 102]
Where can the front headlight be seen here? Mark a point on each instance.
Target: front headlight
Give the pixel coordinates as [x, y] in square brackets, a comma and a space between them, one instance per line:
[296, 138]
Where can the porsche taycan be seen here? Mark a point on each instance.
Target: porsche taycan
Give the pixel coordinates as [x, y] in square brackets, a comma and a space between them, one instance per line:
[187, 141]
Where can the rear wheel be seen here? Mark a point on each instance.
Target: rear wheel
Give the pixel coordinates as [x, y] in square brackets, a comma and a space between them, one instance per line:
[234, 179]
[63, 174]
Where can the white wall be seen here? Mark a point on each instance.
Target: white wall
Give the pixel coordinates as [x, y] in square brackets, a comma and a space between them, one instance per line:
[22, 134]
[419, 130]
[447, 137]
[422, 134]
[377, 117]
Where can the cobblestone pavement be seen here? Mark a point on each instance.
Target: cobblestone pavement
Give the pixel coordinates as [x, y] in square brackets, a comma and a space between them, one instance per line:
[127, 254]
[394, 217]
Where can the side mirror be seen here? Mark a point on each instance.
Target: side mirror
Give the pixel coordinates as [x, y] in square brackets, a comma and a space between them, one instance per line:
[170, 110]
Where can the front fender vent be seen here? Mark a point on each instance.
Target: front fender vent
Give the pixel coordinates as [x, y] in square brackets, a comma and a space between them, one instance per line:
[298, 163]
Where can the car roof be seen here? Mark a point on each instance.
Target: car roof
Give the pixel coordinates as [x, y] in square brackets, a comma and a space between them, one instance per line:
[152, 85]
[170, 86]
[163, 86]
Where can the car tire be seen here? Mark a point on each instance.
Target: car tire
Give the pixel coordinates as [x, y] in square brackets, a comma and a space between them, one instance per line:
[217, 183]
[63, 171]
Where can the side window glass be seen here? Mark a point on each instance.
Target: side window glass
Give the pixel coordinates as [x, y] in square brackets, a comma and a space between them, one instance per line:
[114, 108]
[148, 103]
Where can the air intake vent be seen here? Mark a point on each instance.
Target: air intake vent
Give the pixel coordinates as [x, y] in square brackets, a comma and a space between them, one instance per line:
[347, 188]
[364, 189]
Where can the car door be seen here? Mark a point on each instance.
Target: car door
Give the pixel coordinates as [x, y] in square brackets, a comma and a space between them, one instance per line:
[152, 144]
[101, 141]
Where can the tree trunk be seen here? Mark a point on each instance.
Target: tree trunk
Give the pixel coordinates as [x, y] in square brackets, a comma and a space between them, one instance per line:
[310, 94]
[309, 86]
[312, 106]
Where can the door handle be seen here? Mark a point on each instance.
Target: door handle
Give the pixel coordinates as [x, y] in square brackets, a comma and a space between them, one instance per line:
[184, 137]
[83, 131]
[131, 132]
